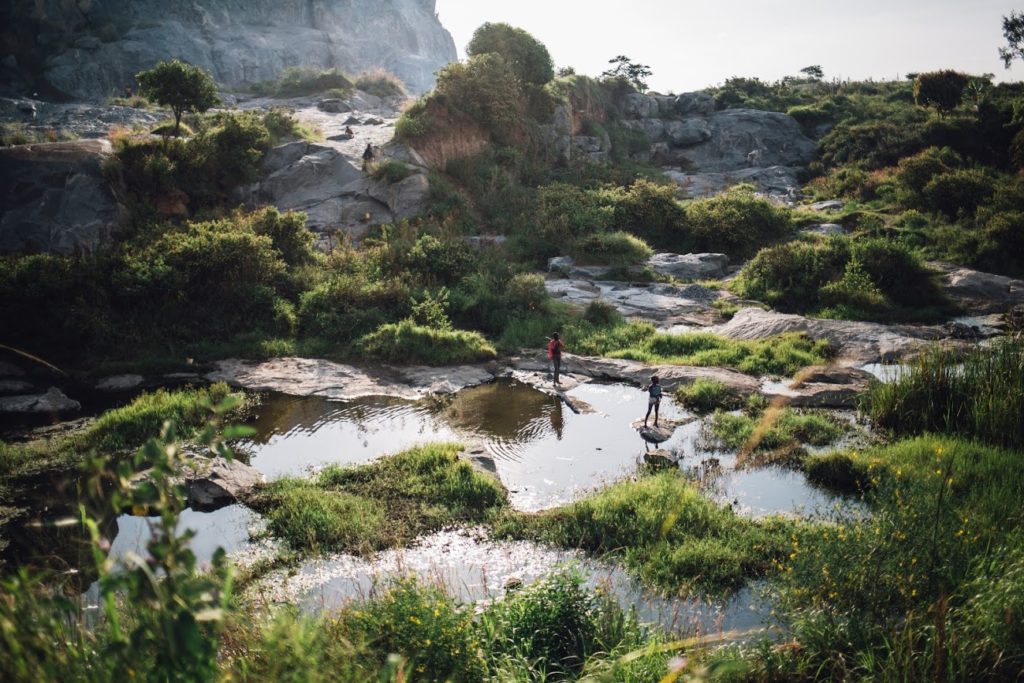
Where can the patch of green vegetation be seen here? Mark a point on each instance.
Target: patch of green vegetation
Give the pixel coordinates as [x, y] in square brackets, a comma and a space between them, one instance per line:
[391, 171]
[385, 504]
[611, 249]
[979, 395]
[168, 128]
[380, 83]
[298, 81]
[776, 430]
[407, 342]
[284, 127]
[783, 355]
[115, 431]
[664, 529]
[842, 278]
[706, 395]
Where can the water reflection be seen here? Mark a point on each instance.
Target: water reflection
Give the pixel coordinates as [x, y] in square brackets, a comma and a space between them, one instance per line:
[473, 568]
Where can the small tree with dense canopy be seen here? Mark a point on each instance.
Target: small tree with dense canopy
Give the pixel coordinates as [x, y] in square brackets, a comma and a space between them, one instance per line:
[941, 90]
[527, 56]
[813, 72]
[628, 70]
[180, 86]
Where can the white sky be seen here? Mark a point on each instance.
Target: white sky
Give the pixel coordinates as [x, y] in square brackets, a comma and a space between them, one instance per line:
[691, 44]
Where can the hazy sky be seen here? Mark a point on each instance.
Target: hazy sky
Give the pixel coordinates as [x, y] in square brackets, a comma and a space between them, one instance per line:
[691, 44]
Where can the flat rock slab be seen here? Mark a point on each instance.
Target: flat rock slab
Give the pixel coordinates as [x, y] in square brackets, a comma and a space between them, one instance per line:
[659, 433]
[120, 382]
[542, 382]
[856, 342]
[978, 292]
[53, 401]
[316, 377]
[659, 303]
[821, 387]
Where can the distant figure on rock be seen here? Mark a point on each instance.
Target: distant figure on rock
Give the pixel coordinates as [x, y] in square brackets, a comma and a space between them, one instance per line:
[368, 156]
[128, 91]
[348, 131]
[555, 347]
[754, 158]
[654, 400]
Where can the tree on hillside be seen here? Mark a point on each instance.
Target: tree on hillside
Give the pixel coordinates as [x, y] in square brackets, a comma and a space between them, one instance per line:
[630, 71]
[941, 90]
[813, 72]
[527, 56]
[1013, 31]
[180, 86]
[486, 88]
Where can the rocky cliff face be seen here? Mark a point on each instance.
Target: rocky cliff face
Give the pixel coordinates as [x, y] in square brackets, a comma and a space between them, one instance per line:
[238, 41]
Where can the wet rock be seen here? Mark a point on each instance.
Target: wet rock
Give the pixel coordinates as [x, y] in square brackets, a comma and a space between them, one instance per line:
[636, 372]
[855, 342]
[120, 382]
[661, 458]
[689, 266]
[218, 482]
[55, 198]
[828, 387]
[53, 401]
[828, 205]
[315, 377]
[658, 433]
[559, 263]
[980, 292]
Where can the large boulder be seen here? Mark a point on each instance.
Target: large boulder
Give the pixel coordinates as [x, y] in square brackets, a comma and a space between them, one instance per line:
[779, 181]
[218, 482]
[688, 132]
[980, 292]
[735, 133]
[53, 402]
[54, 197]
[638, 106]
[690, 266]
[694, 104]
[242, 43]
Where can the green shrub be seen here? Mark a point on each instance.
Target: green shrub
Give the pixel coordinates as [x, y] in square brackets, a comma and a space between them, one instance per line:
[407, 342]
[917, 171]
[391, 171]
[839, 472]
[958, 192]
[347, 306]
[565, 214]
[486, 89]
[611, 249]
[736, 223]
[421, 623]
[527, 56]
[648, 210]
[859, 279]
[380, 83]
[601, 313]
[298, 81]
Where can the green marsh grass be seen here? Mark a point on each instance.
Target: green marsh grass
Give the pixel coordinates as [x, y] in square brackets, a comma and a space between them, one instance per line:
[384, 504]
[407, 342]
[979, 395]
[706, 395]
[788, 428]
[664, 529]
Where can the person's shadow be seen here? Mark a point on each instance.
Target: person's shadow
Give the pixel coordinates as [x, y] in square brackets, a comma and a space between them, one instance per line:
[557, 420]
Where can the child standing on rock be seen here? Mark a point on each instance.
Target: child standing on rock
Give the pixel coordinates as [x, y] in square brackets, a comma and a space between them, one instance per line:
[555, 347]
[654, 400]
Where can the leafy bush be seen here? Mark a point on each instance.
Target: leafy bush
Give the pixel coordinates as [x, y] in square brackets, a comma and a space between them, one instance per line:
[527, 57]
[601, 313]
[180, 86]
[958, 192]
[298, 81]
[736, 223]
[611, 249]
[486, 89]
[872, 279]
[380, 83]
[943, 90]
[391, 171]
[347, 306]
[705, 395]
[647, 210]
[565, 213]
[407, 342]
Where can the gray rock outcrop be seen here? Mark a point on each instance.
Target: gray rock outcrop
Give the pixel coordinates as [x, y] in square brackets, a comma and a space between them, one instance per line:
[54, 401]
[690, 266]
[854, 342]
[244, 42]
[55, 198]
[659, 303]
[979, 292]
[218, 482]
